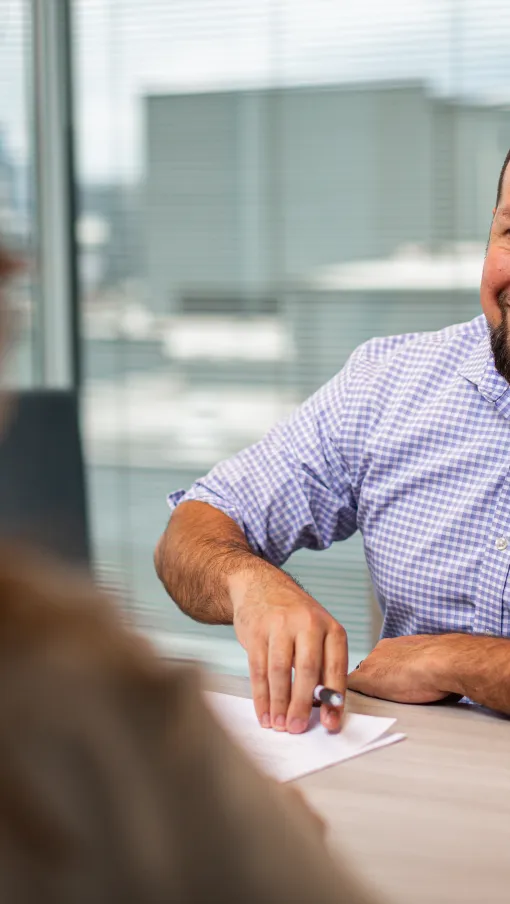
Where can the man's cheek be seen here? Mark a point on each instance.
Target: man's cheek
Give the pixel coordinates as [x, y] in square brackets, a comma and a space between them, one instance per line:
[490, 290]
[496, 271]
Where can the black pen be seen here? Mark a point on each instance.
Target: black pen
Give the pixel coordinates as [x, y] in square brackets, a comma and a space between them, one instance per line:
[325, 695]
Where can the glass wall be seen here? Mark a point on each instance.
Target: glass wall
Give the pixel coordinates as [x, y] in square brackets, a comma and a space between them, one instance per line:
[17, 209]
[261, 188]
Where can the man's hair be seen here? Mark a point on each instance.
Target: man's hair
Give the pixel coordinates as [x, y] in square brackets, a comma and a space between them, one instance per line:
[501, 177]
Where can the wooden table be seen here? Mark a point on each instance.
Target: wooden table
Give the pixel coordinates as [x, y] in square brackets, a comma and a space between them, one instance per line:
[428, 819]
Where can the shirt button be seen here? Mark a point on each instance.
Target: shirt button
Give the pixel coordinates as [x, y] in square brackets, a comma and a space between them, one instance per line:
[501, 543]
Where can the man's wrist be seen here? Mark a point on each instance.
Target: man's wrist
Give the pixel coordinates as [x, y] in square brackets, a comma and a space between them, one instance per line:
[254, 577]
[452, 661]
[240, 581]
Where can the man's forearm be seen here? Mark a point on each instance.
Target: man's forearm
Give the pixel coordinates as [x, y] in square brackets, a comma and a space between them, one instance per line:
[424, 668]
[478, 667]
[197, 557]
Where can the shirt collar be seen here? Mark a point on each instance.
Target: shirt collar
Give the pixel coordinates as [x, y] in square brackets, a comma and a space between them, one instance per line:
[479, 368]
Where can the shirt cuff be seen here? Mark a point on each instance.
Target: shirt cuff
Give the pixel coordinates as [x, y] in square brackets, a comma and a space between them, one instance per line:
[198, 493]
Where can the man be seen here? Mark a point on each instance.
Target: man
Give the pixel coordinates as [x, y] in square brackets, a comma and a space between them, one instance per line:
[410, 444]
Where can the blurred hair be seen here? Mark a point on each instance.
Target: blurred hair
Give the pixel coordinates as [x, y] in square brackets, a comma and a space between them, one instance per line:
[116, 782]
[501, 178]
[8, 264]
[83, 705]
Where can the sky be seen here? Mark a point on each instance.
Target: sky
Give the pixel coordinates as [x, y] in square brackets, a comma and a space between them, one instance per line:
[124, 49]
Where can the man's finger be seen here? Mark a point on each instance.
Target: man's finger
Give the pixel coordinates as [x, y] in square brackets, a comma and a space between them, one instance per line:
[353, 680]
[335, 674]
[359, 681]
[280, 656]
[308, 666]
[257, 657]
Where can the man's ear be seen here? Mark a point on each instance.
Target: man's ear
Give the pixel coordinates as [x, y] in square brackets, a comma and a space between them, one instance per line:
[494, 209]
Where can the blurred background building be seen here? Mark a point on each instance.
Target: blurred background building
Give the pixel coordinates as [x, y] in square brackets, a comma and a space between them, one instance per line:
[257, 188]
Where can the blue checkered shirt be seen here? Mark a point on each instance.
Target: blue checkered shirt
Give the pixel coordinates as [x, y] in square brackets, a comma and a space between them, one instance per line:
[410, 444]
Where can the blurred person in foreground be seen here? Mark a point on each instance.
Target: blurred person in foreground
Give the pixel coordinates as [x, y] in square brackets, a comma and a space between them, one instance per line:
[410, 444]
[116, 783]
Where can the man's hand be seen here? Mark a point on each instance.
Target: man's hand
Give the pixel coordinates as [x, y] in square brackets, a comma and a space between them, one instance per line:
[281, 626]
[208, 568]
[407, 669]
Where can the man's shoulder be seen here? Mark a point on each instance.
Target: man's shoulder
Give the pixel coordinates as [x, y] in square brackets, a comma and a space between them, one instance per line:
[448, 346]
[395, 376]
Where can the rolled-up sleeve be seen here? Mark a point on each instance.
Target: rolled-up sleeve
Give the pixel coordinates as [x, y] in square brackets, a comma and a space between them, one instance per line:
[292, 489]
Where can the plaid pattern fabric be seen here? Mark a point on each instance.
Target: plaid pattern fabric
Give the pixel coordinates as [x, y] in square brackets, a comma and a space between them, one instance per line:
[410, 444]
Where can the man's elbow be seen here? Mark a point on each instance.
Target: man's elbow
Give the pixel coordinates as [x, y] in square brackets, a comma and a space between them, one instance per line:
[159, 557]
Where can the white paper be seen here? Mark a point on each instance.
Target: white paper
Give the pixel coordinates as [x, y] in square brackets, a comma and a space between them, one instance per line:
[287, 756]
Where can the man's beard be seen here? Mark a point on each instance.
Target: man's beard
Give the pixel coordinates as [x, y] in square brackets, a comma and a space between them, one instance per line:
[500, 338]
